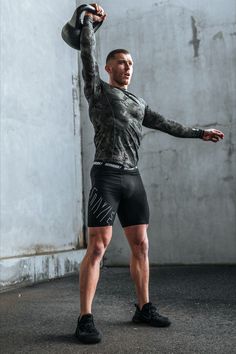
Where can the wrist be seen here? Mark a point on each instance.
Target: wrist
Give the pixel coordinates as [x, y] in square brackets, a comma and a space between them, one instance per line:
[88, 19]
[198, 133]
[201, 133]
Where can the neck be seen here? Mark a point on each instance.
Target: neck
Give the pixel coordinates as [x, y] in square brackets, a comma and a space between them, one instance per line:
[116, 84]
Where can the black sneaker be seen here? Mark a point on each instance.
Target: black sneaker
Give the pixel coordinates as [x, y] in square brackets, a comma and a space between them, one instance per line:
[149, 315]
[86, 331]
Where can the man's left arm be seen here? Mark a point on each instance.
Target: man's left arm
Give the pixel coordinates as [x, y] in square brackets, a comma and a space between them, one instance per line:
[155, 121]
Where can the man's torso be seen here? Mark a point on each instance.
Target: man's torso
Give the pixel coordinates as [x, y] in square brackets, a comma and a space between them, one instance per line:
[117, 117]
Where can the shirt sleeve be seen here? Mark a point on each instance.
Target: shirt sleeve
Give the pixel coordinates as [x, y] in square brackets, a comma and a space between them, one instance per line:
[155, 121]
[90, 71]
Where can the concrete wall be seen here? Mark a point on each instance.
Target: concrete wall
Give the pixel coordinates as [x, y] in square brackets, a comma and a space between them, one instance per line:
[41, 188]
[184, 53]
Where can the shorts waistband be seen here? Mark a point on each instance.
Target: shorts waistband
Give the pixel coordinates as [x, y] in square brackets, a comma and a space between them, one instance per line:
[114, 165]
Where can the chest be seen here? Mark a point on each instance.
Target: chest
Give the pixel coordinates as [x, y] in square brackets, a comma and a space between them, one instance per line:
[125, 107]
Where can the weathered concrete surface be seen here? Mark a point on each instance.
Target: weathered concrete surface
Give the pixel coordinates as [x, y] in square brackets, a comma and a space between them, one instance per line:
[200, 301]
[184, 54]
[41, 189]
[21, 271]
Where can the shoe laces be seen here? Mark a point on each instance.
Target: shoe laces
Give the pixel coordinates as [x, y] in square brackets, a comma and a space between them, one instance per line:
[153, 311]
[88, 325]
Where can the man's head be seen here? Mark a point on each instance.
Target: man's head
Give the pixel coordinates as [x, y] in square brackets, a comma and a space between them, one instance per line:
[119, 65]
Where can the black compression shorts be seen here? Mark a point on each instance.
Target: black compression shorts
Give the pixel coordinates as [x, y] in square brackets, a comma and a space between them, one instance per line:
[117, 191]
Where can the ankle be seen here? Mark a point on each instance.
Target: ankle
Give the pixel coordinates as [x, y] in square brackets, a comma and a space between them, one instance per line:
[141, 304]
[84, 313]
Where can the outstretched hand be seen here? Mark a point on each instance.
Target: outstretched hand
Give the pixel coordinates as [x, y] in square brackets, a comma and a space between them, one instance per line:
[100, 15]
[212, 135]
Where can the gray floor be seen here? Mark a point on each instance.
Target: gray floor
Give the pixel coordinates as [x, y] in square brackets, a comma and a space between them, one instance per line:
[200, 301]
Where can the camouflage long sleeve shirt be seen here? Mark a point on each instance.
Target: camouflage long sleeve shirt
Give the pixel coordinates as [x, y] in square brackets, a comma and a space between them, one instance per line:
[116, 114]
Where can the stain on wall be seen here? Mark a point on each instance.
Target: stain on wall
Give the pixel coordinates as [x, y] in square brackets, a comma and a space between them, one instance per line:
[195, 40]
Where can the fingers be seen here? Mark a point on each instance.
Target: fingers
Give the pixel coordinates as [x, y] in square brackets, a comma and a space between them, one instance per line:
[100, 14]
[218, 133]
[99, 10]
[215, 139]
[213, 135]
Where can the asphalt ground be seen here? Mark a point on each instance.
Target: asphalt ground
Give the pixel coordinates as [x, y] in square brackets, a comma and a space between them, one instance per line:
[199, 300]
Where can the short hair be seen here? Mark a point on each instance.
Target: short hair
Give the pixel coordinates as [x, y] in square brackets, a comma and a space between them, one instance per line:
[112, 54]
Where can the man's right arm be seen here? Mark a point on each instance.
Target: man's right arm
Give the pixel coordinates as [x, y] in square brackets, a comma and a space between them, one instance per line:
[90, 72]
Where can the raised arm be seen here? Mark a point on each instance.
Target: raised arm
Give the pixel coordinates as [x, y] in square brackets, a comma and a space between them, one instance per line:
[90, 72]
[155, 121]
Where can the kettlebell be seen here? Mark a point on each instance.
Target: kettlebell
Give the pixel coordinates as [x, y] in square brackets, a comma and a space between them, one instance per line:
[72, 29]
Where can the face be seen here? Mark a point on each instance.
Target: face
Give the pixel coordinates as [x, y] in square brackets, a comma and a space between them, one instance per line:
[120, 70]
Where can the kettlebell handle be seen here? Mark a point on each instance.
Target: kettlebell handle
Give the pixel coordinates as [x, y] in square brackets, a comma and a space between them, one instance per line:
[72, 29]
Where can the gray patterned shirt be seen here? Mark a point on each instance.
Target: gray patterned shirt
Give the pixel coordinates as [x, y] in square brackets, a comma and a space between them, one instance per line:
[116, 114]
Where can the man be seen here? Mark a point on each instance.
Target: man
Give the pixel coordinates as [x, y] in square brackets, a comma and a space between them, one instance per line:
[117, 116]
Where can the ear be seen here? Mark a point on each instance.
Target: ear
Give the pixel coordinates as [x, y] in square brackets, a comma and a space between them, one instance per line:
[108, 69]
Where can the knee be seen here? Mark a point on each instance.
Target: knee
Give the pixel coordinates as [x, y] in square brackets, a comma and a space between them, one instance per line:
[96, 252]
[96, 248]
[140, 249]
[98, 243]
